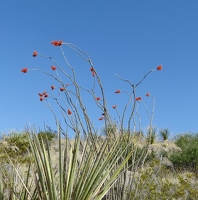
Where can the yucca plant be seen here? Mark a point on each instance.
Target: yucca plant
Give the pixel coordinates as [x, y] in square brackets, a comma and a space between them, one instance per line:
[164, 134]
[82, 171]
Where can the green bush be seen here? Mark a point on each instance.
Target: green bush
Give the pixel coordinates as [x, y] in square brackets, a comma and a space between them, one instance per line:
[47, 135]
[188, 158]
[15, 146]
[162, 184]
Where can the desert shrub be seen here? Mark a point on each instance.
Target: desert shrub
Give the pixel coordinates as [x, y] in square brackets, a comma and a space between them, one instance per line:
[47, 135]
[15, 146]
[188, 158]
[156, 182]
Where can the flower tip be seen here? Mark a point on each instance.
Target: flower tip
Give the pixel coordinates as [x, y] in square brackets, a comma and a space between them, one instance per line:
[69, 112]
[159, 67]
[24, 70]
[52, 87]
[148, 94]
[62, 89]
[114, 107]
[53, 68]
[138, 99]
[40, 94]
[117, 91]
[97, 98]
[35, 54]
[60, 43]
[93, 72]
[57, 43]
[101, 118]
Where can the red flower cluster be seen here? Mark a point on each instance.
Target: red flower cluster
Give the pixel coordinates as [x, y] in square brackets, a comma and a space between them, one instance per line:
[62, 89]
[69, 112]
[93, 71]
[101, 118]
[97, 98]
[117, 91]
[53, 68]
[24, 70]
[52, 87]
[148, 94]
[35, 54]
[57, 43]
[43, 95]
[159, 67]
[138, 99]
[114, 107]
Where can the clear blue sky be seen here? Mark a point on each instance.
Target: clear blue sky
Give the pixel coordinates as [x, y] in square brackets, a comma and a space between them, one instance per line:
[124, 37]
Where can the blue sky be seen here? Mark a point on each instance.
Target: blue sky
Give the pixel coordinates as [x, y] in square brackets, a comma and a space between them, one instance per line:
[124, 37]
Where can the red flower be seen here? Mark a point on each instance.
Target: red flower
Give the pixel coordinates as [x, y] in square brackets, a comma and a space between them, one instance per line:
[97, 98]
[69, 112]
[114, 107]
[41, 98]
[57, 43]
[148, 94]
[46, 95]
[60, 43]
[117, 91]
[40, 94]
[62, 89]
[24, 70]
[101, 118]
[52, 87]
[35, 54]
[93, 71]
[159, 67]
[138, 99]
[53, 68]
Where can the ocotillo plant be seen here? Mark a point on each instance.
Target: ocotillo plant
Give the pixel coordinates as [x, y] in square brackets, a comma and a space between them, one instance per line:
[90, 170]
[72, 101]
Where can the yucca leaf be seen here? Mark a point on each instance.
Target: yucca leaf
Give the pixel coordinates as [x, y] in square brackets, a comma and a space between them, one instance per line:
[1, 188]
[72, 167]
